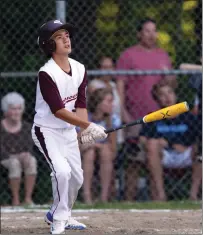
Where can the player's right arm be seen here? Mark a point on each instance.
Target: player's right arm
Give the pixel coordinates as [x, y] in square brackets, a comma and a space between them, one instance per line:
[51, 95]
[69, 117]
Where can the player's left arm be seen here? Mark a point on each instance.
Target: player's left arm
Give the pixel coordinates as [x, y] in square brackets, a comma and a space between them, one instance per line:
[81, 102]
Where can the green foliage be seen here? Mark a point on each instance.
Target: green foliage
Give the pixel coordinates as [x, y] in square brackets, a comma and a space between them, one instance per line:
[104, 27]
[31, 62]
[20, 30]
[3, 52]
[176, 26]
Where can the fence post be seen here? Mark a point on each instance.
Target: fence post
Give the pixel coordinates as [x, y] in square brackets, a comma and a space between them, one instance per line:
[61, 10]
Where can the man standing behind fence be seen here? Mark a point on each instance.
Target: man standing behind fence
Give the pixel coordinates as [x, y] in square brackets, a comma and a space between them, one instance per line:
[135, 91]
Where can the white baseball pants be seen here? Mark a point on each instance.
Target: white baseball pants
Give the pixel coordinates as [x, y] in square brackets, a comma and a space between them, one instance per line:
[61, 150]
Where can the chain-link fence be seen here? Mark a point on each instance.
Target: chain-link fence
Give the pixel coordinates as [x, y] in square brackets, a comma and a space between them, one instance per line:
[126, 163]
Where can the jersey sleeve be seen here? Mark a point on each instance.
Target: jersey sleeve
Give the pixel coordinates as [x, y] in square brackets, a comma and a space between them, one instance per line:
[50, 92]
[81, 99]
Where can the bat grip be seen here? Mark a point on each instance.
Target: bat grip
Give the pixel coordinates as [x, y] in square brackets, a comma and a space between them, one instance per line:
[139, 121]
[110, 130]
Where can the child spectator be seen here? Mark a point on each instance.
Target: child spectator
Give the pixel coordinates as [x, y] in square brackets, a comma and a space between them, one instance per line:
[100, 112]
[107, 81]
[170, 143]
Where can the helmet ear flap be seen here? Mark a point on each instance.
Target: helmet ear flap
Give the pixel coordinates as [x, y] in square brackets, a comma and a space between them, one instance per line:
[49, 47]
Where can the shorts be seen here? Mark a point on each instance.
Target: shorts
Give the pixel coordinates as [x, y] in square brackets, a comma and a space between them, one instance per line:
[16, 165]
[173, 159]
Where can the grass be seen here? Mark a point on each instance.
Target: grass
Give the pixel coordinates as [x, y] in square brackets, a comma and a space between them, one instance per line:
[172, 205]
[150, 205]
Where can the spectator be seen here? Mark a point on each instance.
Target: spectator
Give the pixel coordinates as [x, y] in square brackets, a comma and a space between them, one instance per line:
[106, 81]
[195, 81]
[135, 91]
[100, 108]
[106, 63]
[170, 143]
[16, 147]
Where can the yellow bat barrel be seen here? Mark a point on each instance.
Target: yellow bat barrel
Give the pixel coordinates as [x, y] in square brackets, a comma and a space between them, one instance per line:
[168, 112]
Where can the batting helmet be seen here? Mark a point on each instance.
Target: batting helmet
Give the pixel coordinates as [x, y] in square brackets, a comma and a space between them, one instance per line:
[44, 40]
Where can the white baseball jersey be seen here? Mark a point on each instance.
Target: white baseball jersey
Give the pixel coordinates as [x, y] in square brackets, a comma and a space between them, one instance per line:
[57, 89]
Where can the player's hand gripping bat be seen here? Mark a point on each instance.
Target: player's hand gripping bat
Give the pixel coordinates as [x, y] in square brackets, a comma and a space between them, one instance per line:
[165, 113]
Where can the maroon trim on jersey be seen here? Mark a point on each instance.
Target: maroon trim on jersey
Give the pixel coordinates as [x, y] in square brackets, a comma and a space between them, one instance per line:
[41, 140]
[50, 92]
[70, 72]
[67, 101]
[81, 99]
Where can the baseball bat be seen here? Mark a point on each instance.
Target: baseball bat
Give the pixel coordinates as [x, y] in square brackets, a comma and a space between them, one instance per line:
[165, 113]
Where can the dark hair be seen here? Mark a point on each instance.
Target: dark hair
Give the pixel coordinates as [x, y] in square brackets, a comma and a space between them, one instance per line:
[104, 58]
[156, 87]
[97, 97]
[144, 21]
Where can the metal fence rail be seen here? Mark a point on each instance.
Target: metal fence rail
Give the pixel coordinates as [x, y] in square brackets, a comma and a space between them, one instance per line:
[110, 72]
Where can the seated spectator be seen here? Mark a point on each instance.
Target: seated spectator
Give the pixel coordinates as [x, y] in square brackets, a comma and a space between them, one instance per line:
[100, 108]
[16, 147]
[107, 81]
[195, 81]
[170, 143]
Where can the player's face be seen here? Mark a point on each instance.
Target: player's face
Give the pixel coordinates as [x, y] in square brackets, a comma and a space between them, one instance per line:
[14, 113]
[106, 106]
[166, 96]
[63, 43]
[148, 35]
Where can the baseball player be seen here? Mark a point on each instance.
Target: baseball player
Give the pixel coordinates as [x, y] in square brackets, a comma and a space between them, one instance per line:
[61, 89]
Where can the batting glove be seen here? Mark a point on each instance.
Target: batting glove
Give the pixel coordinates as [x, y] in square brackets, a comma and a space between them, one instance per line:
[92, 134]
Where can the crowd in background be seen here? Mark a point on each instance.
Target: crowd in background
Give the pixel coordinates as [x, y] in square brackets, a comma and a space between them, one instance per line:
[172, 145]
